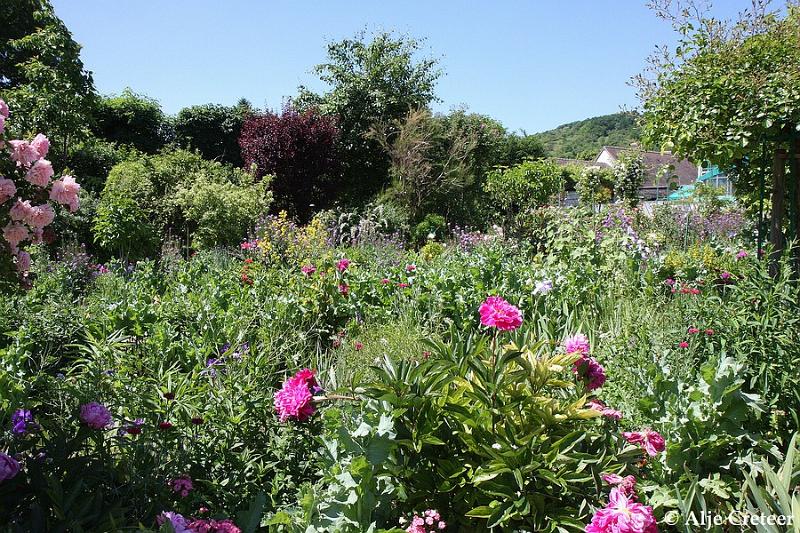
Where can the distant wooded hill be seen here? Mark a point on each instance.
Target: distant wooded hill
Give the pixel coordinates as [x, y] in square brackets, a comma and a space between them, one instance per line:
[585, 138]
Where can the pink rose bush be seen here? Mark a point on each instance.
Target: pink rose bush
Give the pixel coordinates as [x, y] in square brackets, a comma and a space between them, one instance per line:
[295, 400]
[30, 213]
[95, 415]
[497, 313]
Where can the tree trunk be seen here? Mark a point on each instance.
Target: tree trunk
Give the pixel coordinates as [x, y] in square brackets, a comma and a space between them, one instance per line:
[776, 220]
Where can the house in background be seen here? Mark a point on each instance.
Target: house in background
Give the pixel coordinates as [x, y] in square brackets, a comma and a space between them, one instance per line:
[664, 172]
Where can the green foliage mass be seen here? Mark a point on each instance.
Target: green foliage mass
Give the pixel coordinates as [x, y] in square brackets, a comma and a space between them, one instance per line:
[585, 138]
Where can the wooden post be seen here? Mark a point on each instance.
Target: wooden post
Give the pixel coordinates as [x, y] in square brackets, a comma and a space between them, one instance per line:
[776, 218]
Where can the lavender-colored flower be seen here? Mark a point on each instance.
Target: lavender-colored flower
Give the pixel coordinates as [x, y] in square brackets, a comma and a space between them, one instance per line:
[9, 467]
[22, 422]
[543, 287]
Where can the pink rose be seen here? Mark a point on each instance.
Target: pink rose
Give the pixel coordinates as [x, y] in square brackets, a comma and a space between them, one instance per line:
[20, 211]
[95, 415]
[41, 144]
[7, 189]
[24, 154]
[2, 123]
[65, 192]
[3, 109]
[14, 233]
[40, 173]
[40, 216]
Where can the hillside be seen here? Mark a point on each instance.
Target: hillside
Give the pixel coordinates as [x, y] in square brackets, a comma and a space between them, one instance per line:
[584, 139]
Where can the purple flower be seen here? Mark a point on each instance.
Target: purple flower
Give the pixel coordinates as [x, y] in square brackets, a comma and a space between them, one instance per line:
[95, 415]
[9, 467]
[22, 422]
[590, 371]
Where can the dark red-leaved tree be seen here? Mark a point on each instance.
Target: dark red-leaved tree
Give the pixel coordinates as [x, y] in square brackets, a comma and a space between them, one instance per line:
[300, 150]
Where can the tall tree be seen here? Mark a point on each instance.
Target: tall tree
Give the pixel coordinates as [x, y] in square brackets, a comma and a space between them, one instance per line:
[213, 130]
[730, 95]
[132, 119]
[370, 80]
[41, 73]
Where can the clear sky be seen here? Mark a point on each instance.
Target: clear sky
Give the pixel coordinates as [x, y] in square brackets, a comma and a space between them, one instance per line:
[532, 64]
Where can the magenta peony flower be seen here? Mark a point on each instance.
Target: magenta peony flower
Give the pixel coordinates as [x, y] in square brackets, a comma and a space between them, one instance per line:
[213, 526]
[40, 173]
[41, 144]
[179, 523]
[651, 441]
[9, 467]
[683, 344]
[604, 410]
[625, 484]
[95, 415]
[589, 371]
[182, 485]
[41, 216]
[295, 399]
[344, 289]
[24, 154]
[7, 189]
[342, 264]
[623, 515]
[497, 313]
[741, 255]
[3, 109]
[308, 269]
[14, 233]
[578, 343]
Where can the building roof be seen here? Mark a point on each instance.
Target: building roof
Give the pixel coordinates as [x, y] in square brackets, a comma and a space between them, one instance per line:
[685, 170]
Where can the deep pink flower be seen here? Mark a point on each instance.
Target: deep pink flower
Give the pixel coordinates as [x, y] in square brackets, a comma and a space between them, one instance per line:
[693, 330]
[344, 289]
[709, 331]
[741, 255]
[427, 522]
[213, 526]
[165, 425]
[358, 345]
[604, 410]
[179, 523]
[497, 313]
[295, 399]
[308, 269]
[625, 484]
[403, 285]
[411, 268]
[40, 173]
[683, 344]
[385, 281]
[623, 515]
[669, 282]
[650, 440]
[95, 415]
[9, 467]
[725, 275]
[590, 371]
[24, 154]
[7, 189]
[3, 109]
[342, 264]
[578, 343]
[182, 485]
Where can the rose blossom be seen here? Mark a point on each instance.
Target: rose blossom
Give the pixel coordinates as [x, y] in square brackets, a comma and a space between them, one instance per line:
[650, 440]
[40, 173]
[3, 109]
[65, 192]
[20, 211]
[497, 313]
[95, 415]
[9, 467]
[7, 189]
[24, 154]
[41, 144]
[14, 233]
[40, 216]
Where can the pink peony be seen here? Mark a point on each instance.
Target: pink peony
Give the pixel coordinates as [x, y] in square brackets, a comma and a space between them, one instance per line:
[741, 255]
[181, 485]
[40, 216]
[65, 192]
[3, 109]
[604, 410]
[41, 144]
[578, 343]
[2, 124]
[295, 399]
[7, 189]
[178, 522]
[14, 233]
[590, 371]
[342, 264]
[213, 526]
[344, 289]
[497, 313]
[625, 484]
[683, 344]
[40, 173]
[20, 211]
[623, 515]
[308, 269]
[24, 154]
[693, 330]
[650, 440]
[95, 415]
[9, 467]
[23, 262]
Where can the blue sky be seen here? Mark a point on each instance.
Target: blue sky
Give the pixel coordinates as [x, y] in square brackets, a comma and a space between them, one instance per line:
[532, 64]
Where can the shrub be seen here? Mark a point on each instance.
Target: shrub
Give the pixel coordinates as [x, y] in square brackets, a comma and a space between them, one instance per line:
[132, 119]
[594, 185]
[519, 189]
[629, 174]
[432, 227]
[299, 149]
[213, 130]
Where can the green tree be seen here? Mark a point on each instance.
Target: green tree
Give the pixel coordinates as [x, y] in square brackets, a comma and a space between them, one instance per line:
[132, 119]
[370, 81]
[213, 130]
[41, 74]
[731, 96]
[519, 189]
[629, 174]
